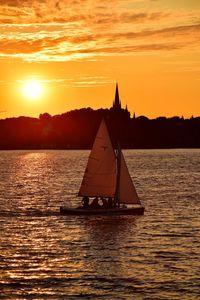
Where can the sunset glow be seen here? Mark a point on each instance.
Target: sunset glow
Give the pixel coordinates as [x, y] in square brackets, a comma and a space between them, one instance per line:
[83, 47]
[32, 89]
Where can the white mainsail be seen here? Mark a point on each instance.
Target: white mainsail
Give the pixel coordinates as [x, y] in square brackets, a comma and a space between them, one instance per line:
[127, 192]
[100, 174]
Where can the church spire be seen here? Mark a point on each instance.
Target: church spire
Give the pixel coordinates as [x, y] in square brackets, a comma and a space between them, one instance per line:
[117, 102]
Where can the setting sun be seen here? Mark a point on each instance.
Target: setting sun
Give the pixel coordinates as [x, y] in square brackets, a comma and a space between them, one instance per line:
[32, 89]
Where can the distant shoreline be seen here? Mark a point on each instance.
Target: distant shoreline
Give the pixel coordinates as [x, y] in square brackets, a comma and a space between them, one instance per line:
[76, 130]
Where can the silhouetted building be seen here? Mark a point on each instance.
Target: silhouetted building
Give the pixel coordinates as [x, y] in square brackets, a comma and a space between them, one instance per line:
[116, 109]
[119, 120]
[117, 101]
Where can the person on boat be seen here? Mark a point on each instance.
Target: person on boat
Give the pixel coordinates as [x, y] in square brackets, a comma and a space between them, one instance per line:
[95, 203]
[85, 202]
[104, 203]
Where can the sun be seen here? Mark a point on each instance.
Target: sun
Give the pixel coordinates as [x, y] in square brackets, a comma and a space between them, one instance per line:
[32, 89]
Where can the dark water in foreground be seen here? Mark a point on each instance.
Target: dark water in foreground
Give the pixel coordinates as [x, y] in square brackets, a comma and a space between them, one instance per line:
[44, 255]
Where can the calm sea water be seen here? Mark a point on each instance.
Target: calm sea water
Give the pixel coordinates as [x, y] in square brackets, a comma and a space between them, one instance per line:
[44, 255]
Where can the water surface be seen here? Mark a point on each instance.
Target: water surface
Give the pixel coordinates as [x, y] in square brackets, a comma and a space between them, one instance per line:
[44, 255]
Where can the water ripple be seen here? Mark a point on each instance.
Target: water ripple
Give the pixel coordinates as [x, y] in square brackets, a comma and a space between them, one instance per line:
[44, 255]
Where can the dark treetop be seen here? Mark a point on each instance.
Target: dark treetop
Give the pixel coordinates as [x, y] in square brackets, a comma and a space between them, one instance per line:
[77, 129]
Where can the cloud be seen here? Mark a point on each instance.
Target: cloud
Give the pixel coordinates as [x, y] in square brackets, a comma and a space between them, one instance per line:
[83, 29]
[90, 81]
[42, 11]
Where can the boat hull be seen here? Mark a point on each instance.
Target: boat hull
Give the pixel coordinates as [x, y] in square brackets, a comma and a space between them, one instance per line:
[102, 211]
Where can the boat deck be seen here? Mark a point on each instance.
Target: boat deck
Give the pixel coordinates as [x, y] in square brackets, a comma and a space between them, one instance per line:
[102, 211]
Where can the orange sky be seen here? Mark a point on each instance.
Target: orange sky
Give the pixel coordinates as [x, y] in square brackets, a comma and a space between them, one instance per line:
[77, 50]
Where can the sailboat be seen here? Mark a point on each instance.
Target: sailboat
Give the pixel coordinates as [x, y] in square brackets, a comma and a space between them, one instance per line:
[107, 178]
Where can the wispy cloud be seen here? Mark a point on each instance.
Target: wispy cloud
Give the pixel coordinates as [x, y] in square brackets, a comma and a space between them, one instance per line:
[73, 81]
[90, 81]
[83, 29]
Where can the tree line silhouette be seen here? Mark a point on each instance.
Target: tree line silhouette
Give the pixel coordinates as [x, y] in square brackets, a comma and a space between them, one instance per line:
[77, 129]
